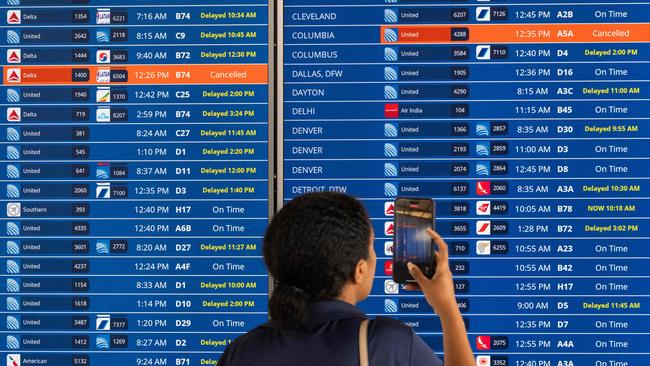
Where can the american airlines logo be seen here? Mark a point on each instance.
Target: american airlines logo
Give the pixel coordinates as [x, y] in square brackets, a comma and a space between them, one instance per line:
[13, 359]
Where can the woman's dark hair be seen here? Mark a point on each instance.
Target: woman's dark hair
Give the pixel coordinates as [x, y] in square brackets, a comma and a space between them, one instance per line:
[311, 249]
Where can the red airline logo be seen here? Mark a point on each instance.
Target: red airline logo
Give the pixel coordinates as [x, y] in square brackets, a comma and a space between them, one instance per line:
[13, 75]
[389, 229]
[391, 110]
[483, 343]
[388, 268]
[483, 360]
[389, 209]
[483, 227]
[13, 360]
[13, 16]
[13, 114]
[483, 208]
[483, 188]
[13, 56]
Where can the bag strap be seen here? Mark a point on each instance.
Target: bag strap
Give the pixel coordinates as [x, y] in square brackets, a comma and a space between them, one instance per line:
[363, 343]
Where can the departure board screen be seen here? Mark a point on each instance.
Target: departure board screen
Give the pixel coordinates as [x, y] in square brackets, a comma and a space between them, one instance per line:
[135, 174]
[526, 122]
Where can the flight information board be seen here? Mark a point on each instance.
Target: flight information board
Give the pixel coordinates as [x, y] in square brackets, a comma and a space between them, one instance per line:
[135, 174]
[526, 122]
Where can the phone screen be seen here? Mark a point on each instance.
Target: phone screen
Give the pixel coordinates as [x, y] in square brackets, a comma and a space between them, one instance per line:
[413, 216]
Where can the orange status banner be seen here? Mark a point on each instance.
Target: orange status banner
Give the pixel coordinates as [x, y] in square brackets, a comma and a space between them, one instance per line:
[517, 33]
[150, 74]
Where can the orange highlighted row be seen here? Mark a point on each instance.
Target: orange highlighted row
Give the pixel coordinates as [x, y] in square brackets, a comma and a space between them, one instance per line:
[516, 33]
[141, 74]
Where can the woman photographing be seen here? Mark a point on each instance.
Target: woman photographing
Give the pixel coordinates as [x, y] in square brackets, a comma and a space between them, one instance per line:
[319, 249]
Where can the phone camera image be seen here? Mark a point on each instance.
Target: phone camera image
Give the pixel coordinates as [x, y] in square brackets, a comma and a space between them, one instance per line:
[413, 216]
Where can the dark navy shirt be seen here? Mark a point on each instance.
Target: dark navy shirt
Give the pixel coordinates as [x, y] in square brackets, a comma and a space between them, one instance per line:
[332, 338]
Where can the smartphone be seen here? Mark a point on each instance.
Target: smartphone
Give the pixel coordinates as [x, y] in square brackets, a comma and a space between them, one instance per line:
[413, 216]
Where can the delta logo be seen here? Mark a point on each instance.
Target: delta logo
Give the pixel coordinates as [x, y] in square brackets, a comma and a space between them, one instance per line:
[13, 114]
[389, 208]
[14, 56]
[14, 16]
[13, 75]
[389, 228]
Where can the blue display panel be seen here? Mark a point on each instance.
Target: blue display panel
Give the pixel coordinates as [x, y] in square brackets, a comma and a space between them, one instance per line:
[135, 175]
[526, 122]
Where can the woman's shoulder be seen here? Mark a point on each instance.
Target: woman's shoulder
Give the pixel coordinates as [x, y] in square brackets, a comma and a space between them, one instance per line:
[255, 335]
[389, 332]
[387, 326]
[391, 339]
[243, 345]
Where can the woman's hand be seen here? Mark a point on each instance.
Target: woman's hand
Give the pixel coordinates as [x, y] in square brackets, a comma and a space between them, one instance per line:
[439, 290]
